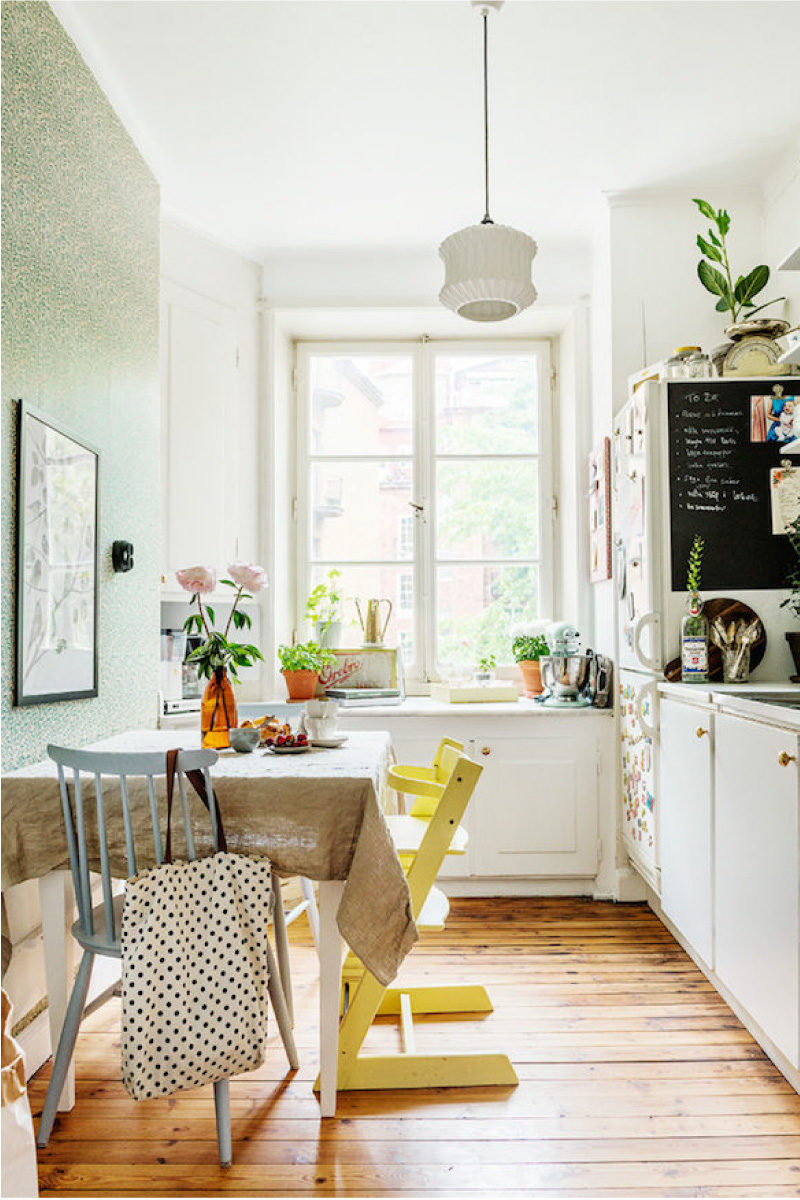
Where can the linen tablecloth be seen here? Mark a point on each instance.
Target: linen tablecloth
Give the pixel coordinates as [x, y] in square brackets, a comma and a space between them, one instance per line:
[316, 814]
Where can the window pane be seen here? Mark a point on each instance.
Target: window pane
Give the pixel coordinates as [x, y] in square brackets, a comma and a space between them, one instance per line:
[477, 608]
[361, 404]
[376, 582]
[486, 404]
[487, 509]
[358, 510]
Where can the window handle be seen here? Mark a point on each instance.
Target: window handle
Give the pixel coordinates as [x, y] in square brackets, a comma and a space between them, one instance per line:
[419, 509]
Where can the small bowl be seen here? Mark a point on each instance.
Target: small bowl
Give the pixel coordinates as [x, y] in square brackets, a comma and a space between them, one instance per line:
[244, 741]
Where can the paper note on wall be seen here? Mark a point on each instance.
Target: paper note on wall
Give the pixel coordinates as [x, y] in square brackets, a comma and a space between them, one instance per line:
[784, 492]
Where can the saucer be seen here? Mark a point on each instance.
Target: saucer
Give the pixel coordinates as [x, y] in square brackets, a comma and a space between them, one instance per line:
[289, 749]
[331, 743]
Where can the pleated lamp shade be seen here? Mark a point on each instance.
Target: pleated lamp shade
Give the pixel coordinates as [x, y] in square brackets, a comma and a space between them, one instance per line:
[487, 272]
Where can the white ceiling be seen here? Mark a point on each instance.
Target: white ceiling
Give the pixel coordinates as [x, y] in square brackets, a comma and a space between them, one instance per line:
[289, 124]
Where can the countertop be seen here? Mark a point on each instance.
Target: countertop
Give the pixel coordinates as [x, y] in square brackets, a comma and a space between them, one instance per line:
[743, 699]
[423, 706]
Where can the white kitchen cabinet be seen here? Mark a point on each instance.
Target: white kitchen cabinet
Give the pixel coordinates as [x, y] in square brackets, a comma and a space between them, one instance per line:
[534, 811]
[686, 821]
[757, 922]
[209, 442]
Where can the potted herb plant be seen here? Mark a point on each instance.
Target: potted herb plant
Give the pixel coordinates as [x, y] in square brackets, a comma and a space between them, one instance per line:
[301, 666]
[792, 601]
[486, 666]
[528, 648]
[218, 657]
[324, 610]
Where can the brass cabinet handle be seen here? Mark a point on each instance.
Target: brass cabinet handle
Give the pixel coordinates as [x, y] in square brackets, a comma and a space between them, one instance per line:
[486, 750]
[784, 759]
[701, 732]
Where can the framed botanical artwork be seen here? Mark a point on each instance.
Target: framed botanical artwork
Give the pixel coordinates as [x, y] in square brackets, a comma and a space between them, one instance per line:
[600, 512]
[57, 517]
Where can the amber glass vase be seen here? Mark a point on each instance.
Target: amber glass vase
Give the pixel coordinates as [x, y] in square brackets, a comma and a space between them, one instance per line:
[218, 711]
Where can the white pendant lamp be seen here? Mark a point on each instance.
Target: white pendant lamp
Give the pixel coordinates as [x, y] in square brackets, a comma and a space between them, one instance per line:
[487, 266]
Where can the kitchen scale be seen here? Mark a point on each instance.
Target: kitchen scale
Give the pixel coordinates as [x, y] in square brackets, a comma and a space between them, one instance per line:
[565, 671]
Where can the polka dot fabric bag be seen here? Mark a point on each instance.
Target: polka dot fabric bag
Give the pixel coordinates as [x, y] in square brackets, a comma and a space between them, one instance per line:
[194, 966]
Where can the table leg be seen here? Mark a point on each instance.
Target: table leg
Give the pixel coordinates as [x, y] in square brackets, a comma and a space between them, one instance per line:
[57, 900]
[330, 982]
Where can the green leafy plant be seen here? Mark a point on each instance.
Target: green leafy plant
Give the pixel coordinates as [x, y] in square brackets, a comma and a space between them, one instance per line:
[305, 656]
[529, 647]
[735, 298]
[487, 663]
[695, 564]
[323, 606]
[793, 578]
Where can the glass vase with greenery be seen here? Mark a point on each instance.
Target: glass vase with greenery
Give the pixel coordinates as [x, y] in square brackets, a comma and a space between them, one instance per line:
[324, 609]
[694, 626]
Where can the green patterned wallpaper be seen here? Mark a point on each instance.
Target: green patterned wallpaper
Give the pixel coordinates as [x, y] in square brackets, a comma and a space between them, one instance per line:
[80, 341]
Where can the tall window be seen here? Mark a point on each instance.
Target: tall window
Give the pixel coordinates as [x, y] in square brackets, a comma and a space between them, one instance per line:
[425, 479]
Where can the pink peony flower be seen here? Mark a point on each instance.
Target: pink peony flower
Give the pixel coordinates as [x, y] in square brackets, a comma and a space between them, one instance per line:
[248, 576]
[197, 580]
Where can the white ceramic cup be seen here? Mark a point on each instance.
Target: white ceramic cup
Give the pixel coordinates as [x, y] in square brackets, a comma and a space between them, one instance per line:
[321, 718]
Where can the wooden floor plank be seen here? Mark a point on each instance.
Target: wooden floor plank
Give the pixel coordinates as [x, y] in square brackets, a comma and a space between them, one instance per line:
[636, 1080]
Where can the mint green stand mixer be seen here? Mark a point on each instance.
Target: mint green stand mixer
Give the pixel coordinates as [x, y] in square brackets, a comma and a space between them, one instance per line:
[565, 670]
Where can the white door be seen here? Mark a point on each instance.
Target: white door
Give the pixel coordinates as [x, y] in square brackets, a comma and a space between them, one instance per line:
[200, 432]
[757, 937]
[686, 821]
[534, 812]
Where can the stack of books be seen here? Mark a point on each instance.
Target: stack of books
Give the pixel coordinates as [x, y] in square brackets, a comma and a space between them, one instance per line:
[354, 697]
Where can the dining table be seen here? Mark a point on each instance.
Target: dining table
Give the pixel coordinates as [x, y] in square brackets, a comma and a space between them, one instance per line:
[318, 815]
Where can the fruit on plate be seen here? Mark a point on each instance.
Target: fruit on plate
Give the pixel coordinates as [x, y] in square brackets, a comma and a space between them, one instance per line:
[270, 727]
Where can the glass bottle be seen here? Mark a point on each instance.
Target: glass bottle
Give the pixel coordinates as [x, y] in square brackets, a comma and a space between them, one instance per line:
[218, 711]
[694, 642]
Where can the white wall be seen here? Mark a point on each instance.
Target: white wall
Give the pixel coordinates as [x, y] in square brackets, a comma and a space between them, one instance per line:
[782, 229]
[657, 301]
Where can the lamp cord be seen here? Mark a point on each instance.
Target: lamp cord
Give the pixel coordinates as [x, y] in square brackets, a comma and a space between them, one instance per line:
[487, 220]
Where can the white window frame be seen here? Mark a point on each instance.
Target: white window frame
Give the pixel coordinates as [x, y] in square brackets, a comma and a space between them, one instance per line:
[423, 565]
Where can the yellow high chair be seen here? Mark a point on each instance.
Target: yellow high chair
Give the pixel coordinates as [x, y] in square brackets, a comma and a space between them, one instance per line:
[422, 838]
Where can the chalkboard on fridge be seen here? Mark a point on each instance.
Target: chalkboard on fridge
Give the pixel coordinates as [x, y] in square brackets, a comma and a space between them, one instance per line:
[722, 445]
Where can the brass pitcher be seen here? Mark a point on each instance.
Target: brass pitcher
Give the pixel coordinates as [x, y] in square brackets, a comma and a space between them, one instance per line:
[371, 627]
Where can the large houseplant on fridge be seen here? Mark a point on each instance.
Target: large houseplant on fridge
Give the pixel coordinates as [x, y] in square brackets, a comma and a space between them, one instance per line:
[218, 658]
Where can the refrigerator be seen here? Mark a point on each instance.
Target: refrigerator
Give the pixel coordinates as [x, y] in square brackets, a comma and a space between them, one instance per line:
[639, 514]
[688, 457]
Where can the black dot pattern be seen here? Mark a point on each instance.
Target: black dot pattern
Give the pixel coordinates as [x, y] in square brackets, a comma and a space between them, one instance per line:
[194, 973]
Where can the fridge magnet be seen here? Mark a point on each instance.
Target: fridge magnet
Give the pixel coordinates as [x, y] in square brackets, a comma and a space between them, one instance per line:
[776, 419]
[784, 494]
[56, 563]
[600, 512]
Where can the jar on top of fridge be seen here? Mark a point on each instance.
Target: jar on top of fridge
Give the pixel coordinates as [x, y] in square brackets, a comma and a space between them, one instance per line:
[676, 366]
[699, 366]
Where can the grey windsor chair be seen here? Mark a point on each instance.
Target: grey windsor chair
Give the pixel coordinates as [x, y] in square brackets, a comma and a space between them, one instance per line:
[97, 929]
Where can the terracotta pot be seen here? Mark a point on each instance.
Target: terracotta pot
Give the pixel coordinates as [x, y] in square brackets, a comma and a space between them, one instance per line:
[532, 676]
[218, 712]
[301, 685]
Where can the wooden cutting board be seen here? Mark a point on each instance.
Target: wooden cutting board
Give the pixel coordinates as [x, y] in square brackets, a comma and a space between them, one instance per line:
[728, 610]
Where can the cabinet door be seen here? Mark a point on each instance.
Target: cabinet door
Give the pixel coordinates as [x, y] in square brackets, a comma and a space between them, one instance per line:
[685, 805]
[757, 937]
[200, 430]
[534, 811]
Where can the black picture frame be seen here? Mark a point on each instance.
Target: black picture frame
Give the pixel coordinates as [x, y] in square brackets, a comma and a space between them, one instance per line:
[58, 516]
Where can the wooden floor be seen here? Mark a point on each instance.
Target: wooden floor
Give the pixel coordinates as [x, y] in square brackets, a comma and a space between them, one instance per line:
[635, 1080]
